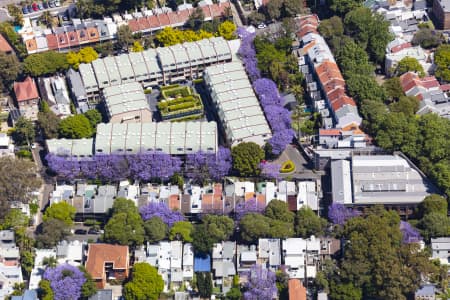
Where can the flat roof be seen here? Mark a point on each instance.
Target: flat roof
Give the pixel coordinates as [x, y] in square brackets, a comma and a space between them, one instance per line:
[124, 65]
[100, 73]
[341, 185]
[76, 147]
[88, 76]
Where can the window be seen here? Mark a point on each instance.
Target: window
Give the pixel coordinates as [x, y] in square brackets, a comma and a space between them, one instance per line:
[158, 149]
[99, 150]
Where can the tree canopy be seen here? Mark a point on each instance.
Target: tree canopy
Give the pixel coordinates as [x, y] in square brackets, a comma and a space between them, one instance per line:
[442, 61]
[226, 30]
[309, 223]
[145, 283]
[85, 55]
[62, 211]
[75, 127]
[45, 63]
[181, 231]
[155, 230]
[11, 68]
[408, 64]
[246, 158]
[23, 133]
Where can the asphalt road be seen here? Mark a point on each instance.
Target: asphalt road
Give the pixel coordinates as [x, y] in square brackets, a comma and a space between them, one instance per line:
[303, 168]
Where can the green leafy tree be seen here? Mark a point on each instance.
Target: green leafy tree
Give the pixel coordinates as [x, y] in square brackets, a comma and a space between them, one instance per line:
[88, 288]
[7, 30]
[124, 37]
[434, 225]
[45, 292]
[374, 257]
[369, 30]
[181, 231]
[23, 133]
[48, 121]
[204, 284]
[408, 64]
[309, 223]
[442, 61]
[227, 30]
[15, 12]
[363, 87]
[433, 204]
[254, 226]
[353, 59]
[246, 158]
[11, 68]
[332, 27]
[177, 180]
[273, 9]
[393, 88]
[62, 211]
[256, 18]
[75, 127]
[342, 7]
[45, 63]
[88, 54]
[47, 19]
[20, 189]
[282, 284]
[408, 105]
[14, 218]
[427, 38]
[94, 117]
[196, 19]
[125, 227]
[155, 230]
[278, 210]
[202, 240]
[220, 228]
[49, 262]
[50, 232]
[104, 48]
[145, 283]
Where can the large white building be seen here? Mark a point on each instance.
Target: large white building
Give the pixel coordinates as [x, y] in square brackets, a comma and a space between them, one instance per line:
[178, 138]
[152, 67]
[377, 179]
[237, 106]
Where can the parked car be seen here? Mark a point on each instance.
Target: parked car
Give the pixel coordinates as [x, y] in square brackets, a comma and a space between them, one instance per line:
[25, 10]
[57, 3]
[94, 231]
[41, 7]
[80, 231]
[35, 6]
[51, 4]
[30, 8]
[45, 5]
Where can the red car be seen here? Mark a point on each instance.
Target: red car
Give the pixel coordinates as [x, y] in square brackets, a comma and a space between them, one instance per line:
[35, 6]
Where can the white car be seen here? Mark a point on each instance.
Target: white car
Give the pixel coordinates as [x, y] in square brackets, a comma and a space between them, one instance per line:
[262, 25]
[33, 146]
[57, 3]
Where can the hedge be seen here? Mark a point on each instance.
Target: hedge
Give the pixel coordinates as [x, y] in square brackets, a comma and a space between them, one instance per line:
[168, 87]
[287, 167]
[184, 91]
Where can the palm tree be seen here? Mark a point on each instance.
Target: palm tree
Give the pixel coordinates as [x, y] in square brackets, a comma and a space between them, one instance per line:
[47, 18]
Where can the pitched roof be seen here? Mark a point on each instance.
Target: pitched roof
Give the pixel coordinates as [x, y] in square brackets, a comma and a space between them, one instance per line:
[4, 45]
[98, 254]
[329, 132]
[296, 290]
[52, 41]
[26, 90]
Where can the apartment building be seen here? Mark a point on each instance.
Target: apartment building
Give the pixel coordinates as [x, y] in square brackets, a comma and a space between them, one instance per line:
[237, 106]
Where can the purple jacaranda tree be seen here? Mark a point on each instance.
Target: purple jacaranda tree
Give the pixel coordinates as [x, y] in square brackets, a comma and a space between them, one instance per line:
[247, 207]
[145, 166]
[111, 167]
[267, 92]
[278, 117]
[88, 168]
[280, 140]
[339, 214]
[67, 167]
[221, 165]
[409, 233]
[66, 281]
[248, 54]
[161, 210]
[204, 165]
[270, 170]
[261, 284]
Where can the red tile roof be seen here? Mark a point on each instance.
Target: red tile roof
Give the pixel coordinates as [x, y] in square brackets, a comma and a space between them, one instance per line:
[134, 25]
[154, 22]
[4, 45]
[83, 36]
[99, 254]
[400, 47]
[329, 132]
[410, 80]
[143, 23]
[342, 101]
[445, 87]
[63, 41]
[206, 11]
[164, 20]
[26, 90]
[52, 41]
[73, 38]
[296, 290]
[174, 202]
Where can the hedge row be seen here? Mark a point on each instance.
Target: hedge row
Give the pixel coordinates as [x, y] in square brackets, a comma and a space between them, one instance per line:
[184, 91]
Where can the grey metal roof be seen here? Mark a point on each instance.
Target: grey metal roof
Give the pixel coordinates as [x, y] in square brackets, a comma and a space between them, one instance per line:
[112, 70]
[102, 295]
[341, 182]
[76, 84]
[172, 138]
[75, 147]
[125, 68]
[125, 98]
[101, 73]
[88, 76]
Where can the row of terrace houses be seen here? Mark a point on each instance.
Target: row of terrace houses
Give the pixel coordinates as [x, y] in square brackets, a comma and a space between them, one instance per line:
[10, 269]
[177, 263]
[87, 32]
[152, 67]
[95, 201]
[177, 138]
[237, 106]
[431, 94]
[326, 88]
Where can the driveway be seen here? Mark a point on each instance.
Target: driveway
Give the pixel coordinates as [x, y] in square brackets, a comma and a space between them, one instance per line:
[303, 168]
